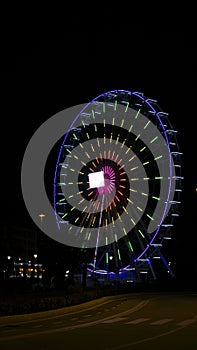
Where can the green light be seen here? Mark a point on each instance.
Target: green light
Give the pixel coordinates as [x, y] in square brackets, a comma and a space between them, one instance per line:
[119, 257]
[127, 106]
[147, 124]
[155, 138]
[150, 217]
[141, 233]
[130, 246]
[159, 157]
[137, 114]
[158, 199]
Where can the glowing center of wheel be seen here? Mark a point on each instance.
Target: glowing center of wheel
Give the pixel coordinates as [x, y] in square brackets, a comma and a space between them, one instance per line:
[103, 180]
[96, 179]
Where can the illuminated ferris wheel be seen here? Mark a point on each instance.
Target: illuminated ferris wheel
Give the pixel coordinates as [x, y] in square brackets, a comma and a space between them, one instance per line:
[118, 183]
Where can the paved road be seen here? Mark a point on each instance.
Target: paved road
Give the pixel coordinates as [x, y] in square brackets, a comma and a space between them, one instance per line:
[134, 321]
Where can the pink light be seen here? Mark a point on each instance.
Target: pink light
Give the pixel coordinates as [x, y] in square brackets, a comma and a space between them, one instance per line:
[109, 177]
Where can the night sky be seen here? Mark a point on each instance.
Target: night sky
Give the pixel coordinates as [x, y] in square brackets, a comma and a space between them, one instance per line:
[44, 71]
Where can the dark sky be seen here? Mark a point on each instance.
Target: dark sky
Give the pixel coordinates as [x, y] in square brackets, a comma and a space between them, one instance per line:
[44, 70]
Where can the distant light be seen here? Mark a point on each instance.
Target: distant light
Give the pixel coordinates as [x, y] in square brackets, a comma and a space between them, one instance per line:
[41, 216]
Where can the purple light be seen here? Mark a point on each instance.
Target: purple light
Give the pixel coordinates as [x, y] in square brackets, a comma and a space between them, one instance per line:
[109, 177]
[170, 182]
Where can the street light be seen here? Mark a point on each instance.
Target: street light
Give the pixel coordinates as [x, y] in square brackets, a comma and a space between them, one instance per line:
[41, 218]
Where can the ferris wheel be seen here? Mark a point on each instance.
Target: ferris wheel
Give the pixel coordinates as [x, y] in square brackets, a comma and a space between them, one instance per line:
[118, 183]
